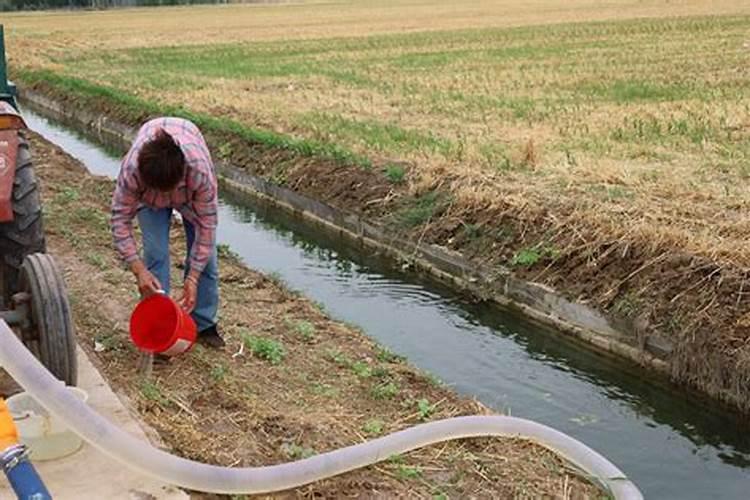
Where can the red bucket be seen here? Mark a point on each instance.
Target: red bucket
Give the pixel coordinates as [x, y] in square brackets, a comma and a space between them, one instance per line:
[159, 325]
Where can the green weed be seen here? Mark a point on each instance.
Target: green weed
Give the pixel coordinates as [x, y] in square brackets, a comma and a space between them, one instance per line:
[472, 231]
[152, 392]
[109, 342]
[361, 369]
[97, 260]
[320, 307]
[219, 372]
[297, 452]
[396, 174]
[407, 472]
[425, 409]
[225, 251]
[381, 372]
[339, 358]
[422, 209]
[526, 257]
[67, 195]
[387, 390]
[305, 329]
[373, 427]
[325, 390]
[264, 348]
[225, 150]
[387, 356]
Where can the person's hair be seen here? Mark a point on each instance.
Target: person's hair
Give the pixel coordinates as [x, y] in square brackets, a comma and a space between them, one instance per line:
[161, 164]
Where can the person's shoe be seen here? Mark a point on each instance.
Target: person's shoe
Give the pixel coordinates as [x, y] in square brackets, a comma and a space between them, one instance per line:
[210, 337]
[162, 359]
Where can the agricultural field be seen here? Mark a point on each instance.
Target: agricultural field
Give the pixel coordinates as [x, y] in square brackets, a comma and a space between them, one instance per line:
[643, 121]
[600, 147]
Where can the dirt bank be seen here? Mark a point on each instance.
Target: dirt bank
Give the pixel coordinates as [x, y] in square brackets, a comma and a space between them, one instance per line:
[291, 382]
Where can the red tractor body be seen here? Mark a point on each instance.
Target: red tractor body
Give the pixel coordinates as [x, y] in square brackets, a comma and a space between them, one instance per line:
[10, 123]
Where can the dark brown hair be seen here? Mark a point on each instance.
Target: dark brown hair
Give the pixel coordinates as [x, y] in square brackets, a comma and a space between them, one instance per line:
[161, 163]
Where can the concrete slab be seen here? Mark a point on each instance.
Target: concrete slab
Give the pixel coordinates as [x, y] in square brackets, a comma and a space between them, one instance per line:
[88, 473]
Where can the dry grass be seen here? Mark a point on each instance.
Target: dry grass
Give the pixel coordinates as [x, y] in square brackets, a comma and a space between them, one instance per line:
[636, 127]
[61, 32]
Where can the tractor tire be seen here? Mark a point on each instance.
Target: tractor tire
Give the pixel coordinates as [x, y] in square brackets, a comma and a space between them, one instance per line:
[49, 334]
[23, 235]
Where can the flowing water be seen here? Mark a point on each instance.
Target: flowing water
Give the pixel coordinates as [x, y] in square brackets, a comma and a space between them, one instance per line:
[673, 445]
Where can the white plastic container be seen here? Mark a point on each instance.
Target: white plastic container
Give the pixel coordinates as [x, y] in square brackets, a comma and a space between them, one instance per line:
[44, 434]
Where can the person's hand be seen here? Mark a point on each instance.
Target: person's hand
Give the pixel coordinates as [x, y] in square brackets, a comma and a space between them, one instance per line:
[189, 294]
[147, 282]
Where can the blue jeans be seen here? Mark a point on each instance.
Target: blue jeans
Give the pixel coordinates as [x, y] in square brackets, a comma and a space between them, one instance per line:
[155, 224]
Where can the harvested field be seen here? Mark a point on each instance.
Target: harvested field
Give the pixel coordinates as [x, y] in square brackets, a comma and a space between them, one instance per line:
[638, 126]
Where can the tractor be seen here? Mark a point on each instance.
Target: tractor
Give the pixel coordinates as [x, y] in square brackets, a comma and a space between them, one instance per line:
[33, 296]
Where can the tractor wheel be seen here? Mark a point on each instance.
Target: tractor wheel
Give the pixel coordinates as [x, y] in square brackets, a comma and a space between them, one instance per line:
[49, 332]
[23, 235]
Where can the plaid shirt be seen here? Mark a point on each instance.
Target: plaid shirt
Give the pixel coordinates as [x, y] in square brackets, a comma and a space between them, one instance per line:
[195, 197]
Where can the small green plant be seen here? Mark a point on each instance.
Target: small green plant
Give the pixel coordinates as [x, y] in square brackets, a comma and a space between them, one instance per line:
[472, 231]
[276, 278]
[526, 257]
[433, 380]
[225, 150]
[297, 452]
[325, 390]
[219, 372]
[406, 472]
[385, 390]
[68, 194]
[373, 427]
[361, 369]
[226, 252]
[615, 192]
[113, 277]
[71, 236]
[152, 392]
[279, 177]
[93, 216]
[264, 348]
[425, 409]
[387, 356]
[627, 305]
[395, 173]
[422, 209]
[305, 329]
[97, 260]
[339, 358]
[108, 342]
[319, 306]
[381, 372]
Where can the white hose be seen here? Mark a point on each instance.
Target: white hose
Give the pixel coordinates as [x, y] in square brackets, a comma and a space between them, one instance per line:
[95, 429]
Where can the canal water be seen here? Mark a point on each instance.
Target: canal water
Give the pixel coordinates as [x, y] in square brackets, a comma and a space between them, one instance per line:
[673, 445]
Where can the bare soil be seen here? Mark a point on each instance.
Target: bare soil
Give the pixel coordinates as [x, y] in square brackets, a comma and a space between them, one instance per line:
[333, 387]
